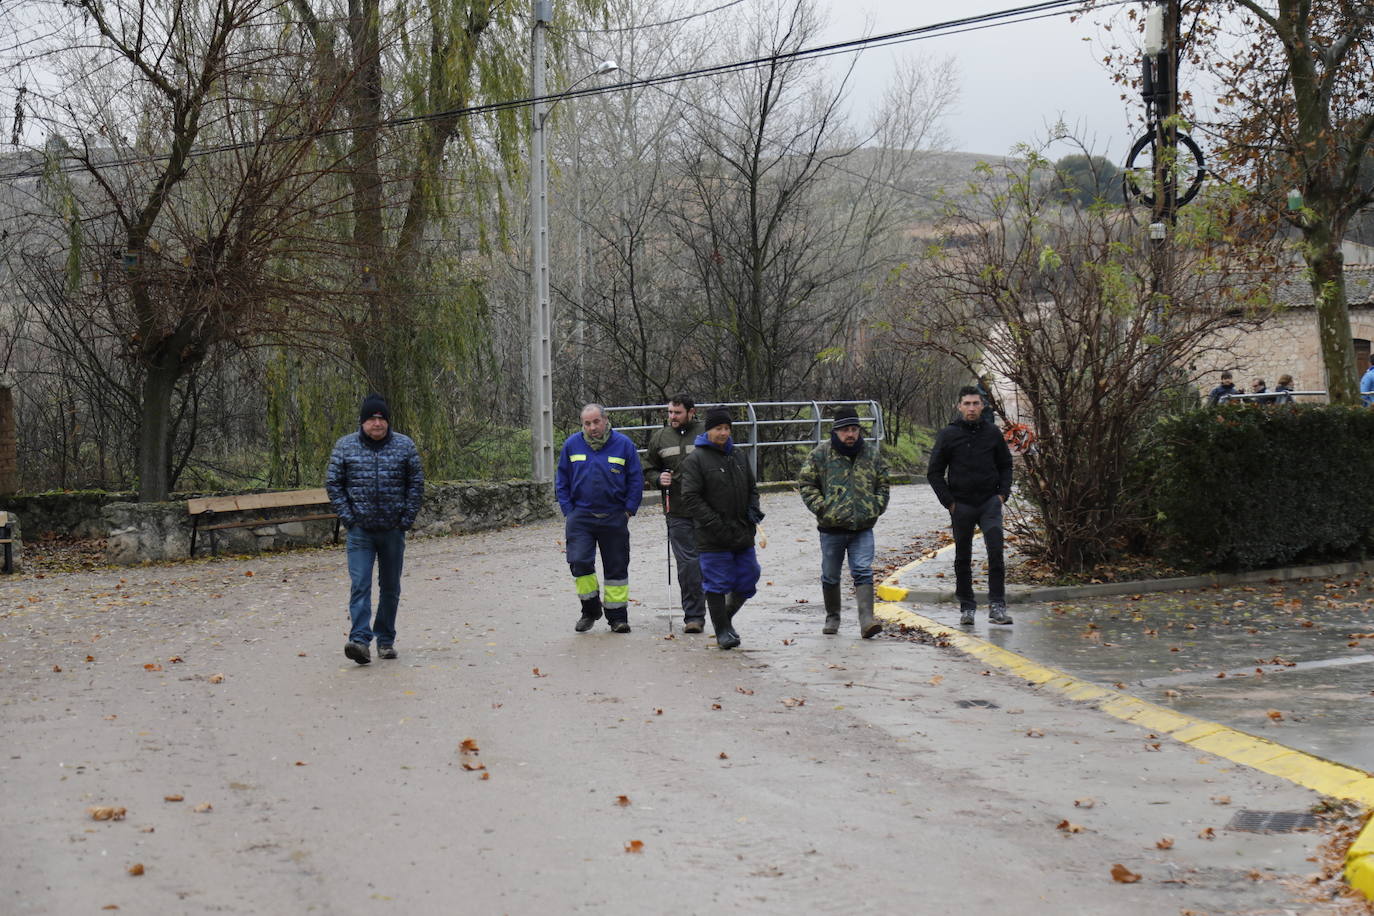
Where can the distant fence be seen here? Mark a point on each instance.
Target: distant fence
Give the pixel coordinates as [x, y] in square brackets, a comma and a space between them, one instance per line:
[1269, 397]
[809, 422]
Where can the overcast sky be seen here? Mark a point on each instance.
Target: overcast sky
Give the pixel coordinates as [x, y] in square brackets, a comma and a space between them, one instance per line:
[1015, 78]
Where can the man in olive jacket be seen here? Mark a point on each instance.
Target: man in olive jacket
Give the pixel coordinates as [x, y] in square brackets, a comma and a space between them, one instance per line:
[970, 472]
[845, 485]
[668, 448]
[719, 492]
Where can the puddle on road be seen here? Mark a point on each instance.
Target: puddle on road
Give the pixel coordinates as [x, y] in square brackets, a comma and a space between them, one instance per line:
[1297, 658]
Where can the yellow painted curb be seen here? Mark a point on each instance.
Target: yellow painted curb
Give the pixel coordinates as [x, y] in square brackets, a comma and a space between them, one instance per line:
[1267, 756]
[890, 590]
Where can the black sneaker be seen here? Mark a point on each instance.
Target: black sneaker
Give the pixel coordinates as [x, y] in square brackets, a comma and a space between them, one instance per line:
[966, 618]
[584, 623]
[694, 625]
[386, 651]
[359, 652]
[998, 613]
[620, 626]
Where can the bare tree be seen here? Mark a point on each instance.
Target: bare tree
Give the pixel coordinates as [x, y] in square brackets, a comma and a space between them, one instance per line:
[179, 140]
[1057, 301]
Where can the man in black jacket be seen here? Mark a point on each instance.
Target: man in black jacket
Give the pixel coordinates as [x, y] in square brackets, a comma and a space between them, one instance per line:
[668, 448]
[970, 472]
[719, 492]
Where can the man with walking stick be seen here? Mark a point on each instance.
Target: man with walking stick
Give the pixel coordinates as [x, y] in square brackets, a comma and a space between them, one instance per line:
[667, 449]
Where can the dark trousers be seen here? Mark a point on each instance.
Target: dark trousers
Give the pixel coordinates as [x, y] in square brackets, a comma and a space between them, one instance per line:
[583, 533]
[682, 536]
[986, 516]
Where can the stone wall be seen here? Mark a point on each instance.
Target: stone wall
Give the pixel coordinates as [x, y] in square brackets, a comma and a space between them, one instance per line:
[139, 532]
[75, 513]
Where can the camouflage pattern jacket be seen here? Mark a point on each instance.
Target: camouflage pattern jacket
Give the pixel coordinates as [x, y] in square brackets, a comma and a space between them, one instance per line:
[845, 494]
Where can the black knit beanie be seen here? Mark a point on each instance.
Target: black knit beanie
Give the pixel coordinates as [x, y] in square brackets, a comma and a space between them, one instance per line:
[374, 405]
[718, 415]
[844, 415]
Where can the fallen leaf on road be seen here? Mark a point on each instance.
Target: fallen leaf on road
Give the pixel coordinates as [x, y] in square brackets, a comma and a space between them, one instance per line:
[724, 756]
[1274, 714]
[203, 808]
[300, 655]
[535, 672]
[468, 746]
[1034, 733]
[90, 658]
[1124, 875]
[1172, 693]
[793, 701]
[106, 813]
[715, 706]
[248, 572]
[216, 679]
[486, 774]
[788, 642]
[634, 846]
[1221, 799]
[1084, 802]
[1207, 834]
[1068, 827]
[1221, 674]
[136, 869]
[301, 763]
[744, 690]
[658, 712]
[1166, 842]
[936, 679]
[110, 906]
[623, 801]
[1153, 746]
[57, 669]
[174, 798]
[175, 660]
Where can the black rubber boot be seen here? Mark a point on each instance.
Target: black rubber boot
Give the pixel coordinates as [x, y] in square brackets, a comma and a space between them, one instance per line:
[832, 608]
[726, 637]
[591, 613]
[868, 625]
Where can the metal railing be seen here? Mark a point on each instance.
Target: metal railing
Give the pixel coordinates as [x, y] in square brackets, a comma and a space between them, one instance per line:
[1264, 397]
[817, 425]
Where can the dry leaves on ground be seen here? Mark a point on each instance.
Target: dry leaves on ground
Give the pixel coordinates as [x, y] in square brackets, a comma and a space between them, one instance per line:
[793, 701]
[1069, 827]
[106, 813]
[623, 801]
[467, 753]
[1124, 875]
[1164, 842]
[136, 869]
[635, 846]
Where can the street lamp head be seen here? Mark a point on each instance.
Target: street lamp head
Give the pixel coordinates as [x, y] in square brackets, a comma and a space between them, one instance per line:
[606, 66]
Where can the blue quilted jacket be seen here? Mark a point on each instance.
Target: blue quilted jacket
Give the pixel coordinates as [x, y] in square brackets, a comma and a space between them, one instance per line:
[379, 488]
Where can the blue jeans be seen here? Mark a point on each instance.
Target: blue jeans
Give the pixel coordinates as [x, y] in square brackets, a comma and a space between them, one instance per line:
[859, 546]
[388, 549]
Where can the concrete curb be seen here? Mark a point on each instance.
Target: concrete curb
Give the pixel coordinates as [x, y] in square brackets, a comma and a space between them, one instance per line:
[891, 590]
[1308, 770]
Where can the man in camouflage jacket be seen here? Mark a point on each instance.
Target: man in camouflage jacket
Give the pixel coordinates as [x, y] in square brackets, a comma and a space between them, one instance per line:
[845, 485]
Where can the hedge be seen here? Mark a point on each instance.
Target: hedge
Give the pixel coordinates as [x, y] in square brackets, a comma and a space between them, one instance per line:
[1250, 487]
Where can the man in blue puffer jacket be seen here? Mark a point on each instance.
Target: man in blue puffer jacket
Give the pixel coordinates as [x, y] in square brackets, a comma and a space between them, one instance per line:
[376, 486]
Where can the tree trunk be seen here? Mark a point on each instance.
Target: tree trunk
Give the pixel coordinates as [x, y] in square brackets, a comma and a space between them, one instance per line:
[1323, 255]
[154, 451]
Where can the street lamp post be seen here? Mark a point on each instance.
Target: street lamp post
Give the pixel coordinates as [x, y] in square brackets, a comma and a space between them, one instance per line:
[541, 318]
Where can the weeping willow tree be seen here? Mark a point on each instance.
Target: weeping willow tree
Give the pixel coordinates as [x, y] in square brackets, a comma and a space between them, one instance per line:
[426, 196]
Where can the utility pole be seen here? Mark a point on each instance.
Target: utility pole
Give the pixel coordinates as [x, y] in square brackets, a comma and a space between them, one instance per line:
[541, 323]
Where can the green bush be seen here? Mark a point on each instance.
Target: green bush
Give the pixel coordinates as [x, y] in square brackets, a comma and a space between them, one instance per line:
[1247, 487]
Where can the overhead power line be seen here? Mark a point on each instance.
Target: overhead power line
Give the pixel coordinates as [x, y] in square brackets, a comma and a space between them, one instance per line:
[655, 25]
[951, 26]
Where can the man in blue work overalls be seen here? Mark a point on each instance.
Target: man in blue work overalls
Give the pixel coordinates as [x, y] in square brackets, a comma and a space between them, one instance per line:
[599, 484]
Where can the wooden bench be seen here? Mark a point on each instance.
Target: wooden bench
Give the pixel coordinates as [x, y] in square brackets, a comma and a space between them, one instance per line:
[7, 538]
[205, 509]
